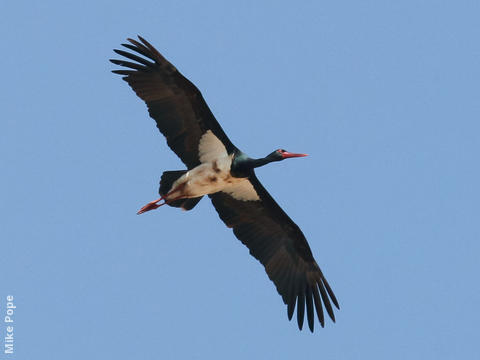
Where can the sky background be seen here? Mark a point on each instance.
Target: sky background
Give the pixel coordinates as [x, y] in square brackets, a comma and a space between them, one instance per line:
[383, 95]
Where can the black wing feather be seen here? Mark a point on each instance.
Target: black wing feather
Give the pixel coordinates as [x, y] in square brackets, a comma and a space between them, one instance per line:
[279, 244]
[309, 305]
[177, 106]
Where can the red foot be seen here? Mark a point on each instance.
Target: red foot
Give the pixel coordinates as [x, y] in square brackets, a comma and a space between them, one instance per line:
[151, 206]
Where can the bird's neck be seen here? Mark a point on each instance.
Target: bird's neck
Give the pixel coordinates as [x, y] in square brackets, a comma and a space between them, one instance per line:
[255, 163]
[243, 165]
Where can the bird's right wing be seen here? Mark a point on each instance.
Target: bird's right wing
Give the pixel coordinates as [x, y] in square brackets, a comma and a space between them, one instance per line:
[279, 244]
[177, 106]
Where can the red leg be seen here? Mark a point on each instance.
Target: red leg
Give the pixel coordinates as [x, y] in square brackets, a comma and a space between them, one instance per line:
[151, 206]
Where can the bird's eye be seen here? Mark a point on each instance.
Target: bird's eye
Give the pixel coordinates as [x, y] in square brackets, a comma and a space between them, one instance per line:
[281, 151]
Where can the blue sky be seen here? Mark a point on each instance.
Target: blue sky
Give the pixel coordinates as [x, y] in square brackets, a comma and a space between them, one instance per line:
[383, 95]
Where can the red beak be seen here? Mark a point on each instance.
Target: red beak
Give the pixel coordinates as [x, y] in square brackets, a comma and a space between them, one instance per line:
[287, 155]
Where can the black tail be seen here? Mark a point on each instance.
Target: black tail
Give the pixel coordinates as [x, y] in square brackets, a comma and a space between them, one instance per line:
[166, 182]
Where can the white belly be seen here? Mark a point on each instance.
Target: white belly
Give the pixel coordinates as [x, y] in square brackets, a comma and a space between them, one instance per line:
[206, 178]
[212, 175]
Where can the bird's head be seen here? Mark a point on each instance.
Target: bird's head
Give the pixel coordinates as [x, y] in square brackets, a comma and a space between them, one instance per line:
[242, 167]
[282, 154]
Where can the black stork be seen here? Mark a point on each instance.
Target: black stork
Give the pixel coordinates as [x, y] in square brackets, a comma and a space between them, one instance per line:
[217, 168]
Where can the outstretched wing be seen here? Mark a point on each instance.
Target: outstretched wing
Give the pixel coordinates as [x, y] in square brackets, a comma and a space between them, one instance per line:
[177, 106]
[279, 244]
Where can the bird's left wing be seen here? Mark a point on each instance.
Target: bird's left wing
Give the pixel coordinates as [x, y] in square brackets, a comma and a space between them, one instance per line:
[177, 106]
[279, 244]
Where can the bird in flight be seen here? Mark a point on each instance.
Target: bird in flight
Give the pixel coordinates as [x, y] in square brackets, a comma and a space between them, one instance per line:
[217, 168]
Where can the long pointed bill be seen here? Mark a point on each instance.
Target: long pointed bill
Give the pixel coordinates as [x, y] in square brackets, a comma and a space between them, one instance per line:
[287, 155]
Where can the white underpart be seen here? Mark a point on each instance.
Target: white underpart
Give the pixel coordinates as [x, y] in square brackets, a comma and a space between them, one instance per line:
[213, 174]
[210, 148]
[243, 190]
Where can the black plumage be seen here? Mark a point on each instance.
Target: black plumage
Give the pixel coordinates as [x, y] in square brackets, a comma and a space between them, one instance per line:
[177, 106]
[183, 116]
